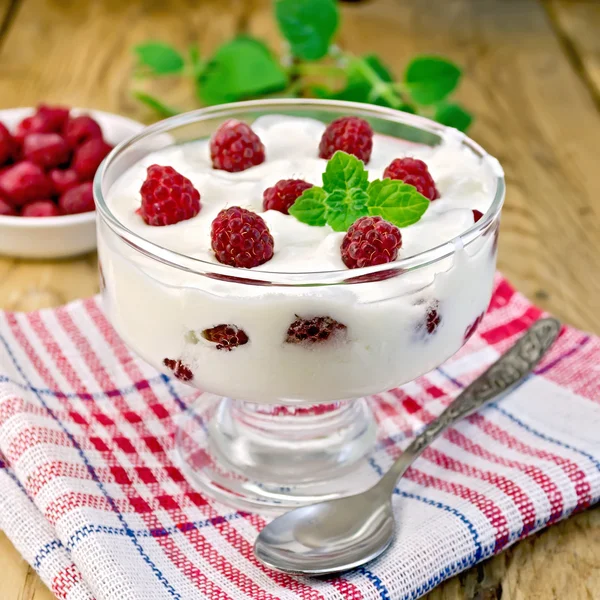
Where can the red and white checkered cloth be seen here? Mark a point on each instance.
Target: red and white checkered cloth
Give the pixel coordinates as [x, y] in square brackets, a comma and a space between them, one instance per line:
[91, 497]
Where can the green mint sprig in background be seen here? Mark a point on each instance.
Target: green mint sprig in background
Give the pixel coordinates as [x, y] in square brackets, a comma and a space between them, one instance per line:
[347, 195]
[245, 67]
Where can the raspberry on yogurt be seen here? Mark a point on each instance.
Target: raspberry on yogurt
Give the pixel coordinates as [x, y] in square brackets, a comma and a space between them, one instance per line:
[168, 197]
[348, 134]
[283, 194]
[235, 147]
[370, 241]
[414, 172]
[241, 238]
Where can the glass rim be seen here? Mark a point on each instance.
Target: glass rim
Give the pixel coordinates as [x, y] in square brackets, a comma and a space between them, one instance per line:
[255, 276]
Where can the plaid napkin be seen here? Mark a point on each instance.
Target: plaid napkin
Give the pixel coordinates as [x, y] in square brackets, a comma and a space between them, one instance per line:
[92, 498]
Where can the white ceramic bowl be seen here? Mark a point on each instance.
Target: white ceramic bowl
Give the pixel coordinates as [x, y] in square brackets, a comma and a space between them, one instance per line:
[69, 235]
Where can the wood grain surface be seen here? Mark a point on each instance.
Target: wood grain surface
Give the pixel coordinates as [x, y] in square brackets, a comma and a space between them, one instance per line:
[532, 78]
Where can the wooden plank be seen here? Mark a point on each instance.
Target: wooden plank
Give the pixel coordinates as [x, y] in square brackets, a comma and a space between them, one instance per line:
[6, 6]
[577, 23]
[30, 285]
[79, 53]
[19, 581]
[533, 112]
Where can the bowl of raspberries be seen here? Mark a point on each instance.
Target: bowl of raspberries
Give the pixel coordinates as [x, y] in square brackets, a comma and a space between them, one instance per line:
[48, 158]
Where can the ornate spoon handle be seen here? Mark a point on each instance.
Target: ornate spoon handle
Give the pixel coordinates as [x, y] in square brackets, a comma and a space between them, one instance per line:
[502, 377]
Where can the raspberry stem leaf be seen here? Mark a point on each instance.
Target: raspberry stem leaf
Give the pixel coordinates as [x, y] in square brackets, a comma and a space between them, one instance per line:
[430, 79]
[308, 25]
[159, 58]
[453, 115]
[155, 104]
[242, 68]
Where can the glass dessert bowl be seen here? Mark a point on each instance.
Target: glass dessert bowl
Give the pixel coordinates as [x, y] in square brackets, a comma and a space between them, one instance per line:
[287, 352]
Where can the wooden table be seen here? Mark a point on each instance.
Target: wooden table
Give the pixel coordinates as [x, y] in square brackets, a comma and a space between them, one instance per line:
[532, 80]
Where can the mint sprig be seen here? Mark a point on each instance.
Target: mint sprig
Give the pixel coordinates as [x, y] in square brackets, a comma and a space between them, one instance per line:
[312, 65]
[396, 201]
[310, 208]
[347, 195]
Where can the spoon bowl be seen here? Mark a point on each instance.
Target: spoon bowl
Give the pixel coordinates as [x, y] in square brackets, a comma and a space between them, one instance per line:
[321, 539]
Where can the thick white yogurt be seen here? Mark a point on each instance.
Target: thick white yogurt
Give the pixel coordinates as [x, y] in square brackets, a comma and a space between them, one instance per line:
[155, 307]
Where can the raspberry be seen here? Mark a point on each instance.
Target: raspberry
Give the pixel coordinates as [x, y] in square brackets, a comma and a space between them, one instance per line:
[349, 134]
[311, 331]
[81, 129]
[432, 318]
[235, 147]
[477, 214]
[46, 149]
[40, 208]
[78, 199]
[88, 157]
[414, 172]
[63, 180]
[240, 238]
[46, 120]
[54, 117]
[180, 370]
[6, 209]
[431, 321]
[370, 241]
[283, 194]
[473, 326]
[227, 337]
[168, 197]
[24, 182]
[7, 145]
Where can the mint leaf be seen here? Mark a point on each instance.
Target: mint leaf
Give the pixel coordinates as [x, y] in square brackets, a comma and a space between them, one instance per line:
[308, 25]
[310, 207]
[159, 58]
[343, 172]
[396, 201]
[155, 104]
[453, 115]
[240, 69]
[429, 79]
[345, 206]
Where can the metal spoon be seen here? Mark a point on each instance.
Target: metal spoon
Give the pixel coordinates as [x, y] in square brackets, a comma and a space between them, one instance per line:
[345, 533]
